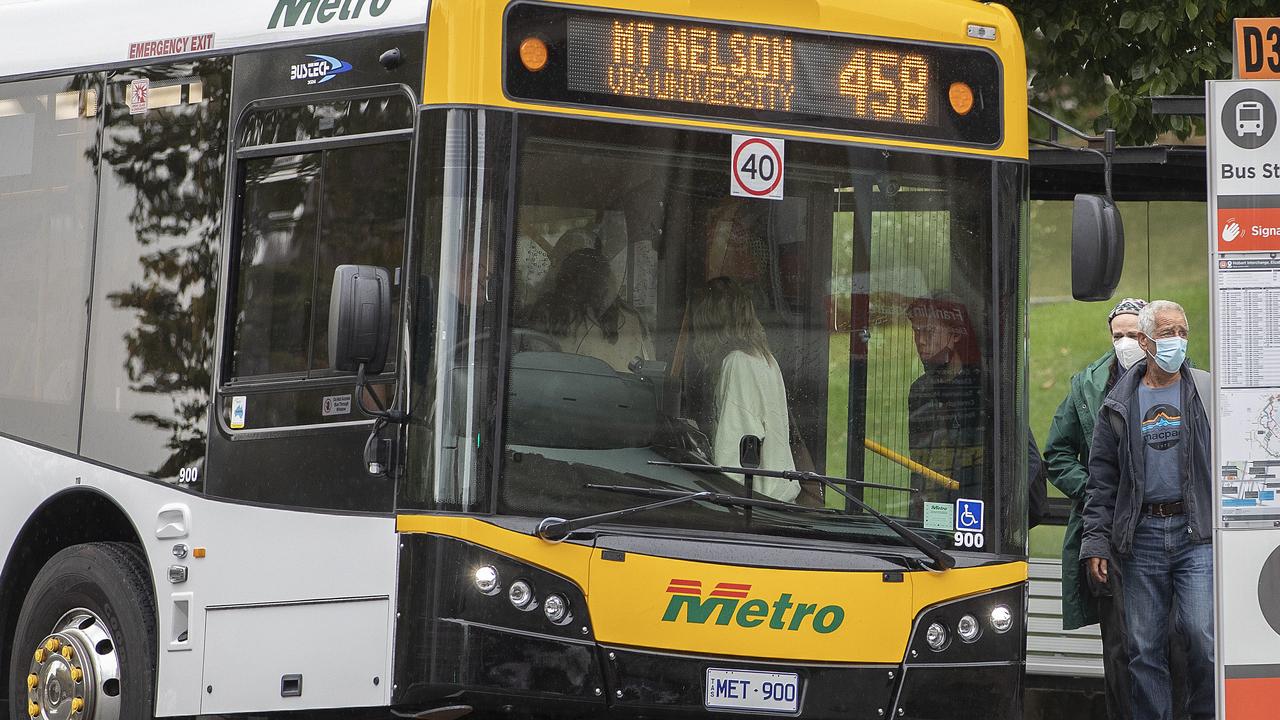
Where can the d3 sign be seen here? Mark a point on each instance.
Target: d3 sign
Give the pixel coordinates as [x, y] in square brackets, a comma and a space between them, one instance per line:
[1257, 48]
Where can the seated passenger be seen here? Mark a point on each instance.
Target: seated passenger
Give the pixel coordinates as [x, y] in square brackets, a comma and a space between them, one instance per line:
[749, 396]
[946, 413]
[583, 312]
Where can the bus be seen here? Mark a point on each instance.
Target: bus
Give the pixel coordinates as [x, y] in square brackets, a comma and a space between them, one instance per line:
[512, 358]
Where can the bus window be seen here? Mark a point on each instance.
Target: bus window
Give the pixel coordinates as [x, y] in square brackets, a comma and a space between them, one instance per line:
[303, 215]
[702, 317]
[155, 287]
[48, 129]
[337, 118]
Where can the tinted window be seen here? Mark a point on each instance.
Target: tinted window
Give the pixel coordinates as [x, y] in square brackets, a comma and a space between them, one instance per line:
[303, 216]
[155, 292]
[277, 264]
[327, 120]
[48, 159]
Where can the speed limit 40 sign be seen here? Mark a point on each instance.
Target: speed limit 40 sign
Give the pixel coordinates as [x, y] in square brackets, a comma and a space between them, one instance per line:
[756, 167]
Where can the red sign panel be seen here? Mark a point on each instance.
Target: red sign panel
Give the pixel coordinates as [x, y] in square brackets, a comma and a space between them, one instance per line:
[1248, 229]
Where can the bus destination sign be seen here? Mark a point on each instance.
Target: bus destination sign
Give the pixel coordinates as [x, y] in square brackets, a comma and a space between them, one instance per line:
[756, 69]
[758, 74]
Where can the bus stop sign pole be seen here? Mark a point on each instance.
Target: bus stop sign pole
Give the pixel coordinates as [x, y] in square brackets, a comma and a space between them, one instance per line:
[1244, 270]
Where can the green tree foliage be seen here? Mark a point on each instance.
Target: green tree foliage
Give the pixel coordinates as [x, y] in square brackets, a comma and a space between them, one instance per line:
[1100, 60]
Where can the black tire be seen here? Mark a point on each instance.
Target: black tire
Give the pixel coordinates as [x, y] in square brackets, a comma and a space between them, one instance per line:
[112, 581]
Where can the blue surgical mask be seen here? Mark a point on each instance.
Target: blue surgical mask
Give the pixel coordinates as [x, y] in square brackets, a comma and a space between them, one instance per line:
[1170, 352]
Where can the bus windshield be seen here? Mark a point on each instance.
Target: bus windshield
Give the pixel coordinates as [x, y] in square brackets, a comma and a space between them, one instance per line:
[852, 324]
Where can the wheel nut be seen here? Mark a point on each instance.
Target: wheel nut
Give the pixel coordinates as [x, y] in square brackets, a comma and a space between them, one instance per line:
[40, 655]
[76, 674]
[68, 652]
[32, 681]
[77, 704]
[52, 644]
[32, 709]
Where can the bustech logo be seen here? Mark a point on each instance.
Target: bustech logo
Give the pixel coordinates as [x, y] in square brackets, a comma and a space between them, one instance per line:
[726, 603]
[321, 70]
[322, 11]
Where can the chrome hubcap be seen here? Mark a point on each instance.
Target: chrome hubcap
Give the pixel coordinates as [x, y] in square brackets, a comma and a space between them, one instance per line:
[75, 671]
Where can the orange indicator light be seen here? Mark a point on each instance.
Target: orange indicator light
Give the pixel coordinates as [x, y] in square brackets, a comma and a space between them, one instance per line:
[533, 53]
[961, 97]
[197, 552]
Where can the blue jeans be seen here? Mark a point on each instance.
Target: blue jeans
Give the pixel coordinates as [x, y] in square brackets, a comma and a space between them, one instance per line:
[1167, 566]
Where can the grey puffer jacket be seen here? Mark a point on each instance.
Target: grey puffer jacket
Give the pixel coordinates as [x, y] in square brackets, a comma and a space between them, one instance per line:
[1113, 495]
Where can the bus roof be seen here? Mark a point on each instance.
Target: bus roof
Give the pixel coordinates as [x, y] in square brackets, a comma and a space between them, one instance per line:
[41, 37]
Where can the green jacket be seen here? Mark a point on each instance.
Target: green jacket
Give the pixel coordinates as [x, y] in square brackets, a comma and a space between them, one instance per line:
[1067, 456]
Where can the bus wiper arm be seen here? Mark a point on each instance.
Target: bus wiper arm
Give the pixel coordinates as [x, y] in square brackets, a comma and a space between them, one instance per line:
[940, 558]
[553, 529]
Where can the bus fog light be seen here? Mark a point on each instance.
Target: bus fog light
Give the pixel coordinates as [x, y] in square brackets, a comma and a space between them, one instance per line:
[487, 579]
[968, 628]
[520, 595]
[556, 609]
[936, 636]
[1001, 618]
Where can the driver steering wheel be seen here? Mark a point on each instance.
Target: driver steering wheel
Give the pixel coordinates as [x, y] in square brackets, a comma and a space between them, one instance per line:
[522, 340]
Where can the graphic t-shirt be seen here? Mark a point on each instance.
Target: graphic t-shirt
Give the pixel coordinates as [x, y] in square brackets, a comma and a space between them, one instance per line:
[1161, 418]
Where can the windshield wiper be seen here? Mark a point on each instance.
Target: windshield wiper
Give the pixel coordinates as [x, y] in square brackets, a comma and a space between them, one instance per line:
[554, 529]
[942, 560]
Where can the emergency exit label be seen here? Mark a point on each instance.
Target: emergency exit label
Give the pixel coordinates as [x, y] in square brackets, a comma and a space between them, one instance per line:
[756, 167]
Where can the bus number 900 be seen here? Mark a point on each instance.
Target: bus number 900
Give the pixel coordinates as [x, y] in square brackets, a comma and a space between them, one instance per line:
[785, 692]
[970, 540]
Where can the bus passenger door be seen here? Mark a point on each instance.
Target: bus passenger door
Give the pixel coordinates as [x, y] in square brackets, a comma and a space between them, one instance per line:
[287, 427]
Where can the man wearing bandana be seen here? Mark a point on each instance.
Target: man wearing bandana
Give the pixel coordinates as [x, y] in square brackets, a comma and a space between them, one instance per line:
[1067, 455]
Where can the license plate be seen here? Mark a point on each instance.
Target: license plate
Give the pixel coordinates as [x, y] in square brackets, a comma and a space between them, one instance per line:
[753, 691]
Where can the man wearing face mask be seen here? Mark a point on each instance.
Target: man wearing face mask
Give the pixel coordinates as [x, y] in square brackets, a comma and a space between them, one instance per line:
[1148, 507]
[1067, 455]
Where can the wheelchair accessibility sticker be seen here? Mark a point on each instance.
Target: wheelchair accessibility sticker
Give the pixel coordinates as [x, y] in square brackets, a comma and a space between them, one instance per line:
[969, 523]
[969, 515]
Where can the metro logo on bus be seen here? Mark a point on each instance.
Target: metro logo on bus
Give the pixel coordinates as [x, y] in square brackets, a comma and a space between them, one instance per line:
[322, 11]
[321, 70]
[726, 603]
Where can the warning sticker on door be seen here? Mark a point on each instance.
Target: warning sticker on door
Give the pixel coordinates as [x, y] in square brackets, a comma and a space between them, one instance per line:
[336, 405]
[756, 167]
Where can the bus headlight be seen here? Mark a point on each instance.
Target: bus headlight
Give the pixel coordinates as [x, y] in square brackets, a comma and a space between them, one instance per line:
[968, 628]
[1001, 618]
[936, 636]
[487, 579]
[520, 595]
[556, 608]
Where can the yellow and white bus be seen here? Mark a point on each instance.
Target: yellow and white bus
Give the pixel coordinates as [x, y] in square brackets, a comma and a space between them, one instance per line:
[530, 358]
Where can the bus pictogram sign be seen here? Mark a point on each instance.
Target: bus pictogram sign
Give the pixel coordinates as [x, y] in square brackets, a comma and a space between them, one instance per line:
[756, 167]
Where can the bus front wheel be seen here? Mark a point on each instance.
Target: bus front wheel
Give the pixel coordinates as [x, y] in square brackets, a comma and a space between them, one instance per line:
[85, 642]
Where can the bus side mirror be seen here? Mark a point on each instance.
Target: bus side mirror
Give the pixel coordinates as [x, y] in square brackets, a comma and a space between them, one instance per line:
[359, 318]
[1097, 247]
